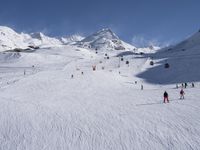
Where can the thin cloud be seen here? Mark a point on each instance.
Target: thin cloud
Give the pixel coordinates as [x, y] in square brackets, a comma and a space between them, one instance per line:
[142, 41]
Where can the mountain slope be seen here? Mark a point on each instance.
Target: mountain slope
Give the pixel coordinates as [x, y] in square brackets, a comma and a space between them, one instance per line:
[184, 60]
[9, 39]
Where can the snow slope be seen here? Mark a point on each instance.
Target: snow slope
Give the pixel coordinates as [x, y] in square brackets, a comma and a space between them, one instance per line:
[42, 107]
[191, 43]
[183, 59]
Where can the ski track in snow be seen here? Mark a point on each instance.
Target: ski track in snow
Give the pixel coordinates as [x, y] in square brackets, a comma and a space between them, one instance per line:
[100, 110]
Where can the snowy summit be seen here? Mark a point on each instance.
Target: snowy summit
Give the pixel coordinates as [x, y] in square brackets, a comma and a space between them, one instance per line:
[104, 39]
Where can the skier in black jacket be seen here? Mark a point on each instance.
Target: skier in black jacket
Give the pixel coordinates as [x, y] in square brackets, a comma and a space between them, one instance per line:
[166, 97]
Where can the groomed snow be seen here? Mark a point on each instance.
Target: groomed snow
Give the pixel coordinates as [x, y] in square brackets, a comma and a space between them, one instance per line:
[46, 109]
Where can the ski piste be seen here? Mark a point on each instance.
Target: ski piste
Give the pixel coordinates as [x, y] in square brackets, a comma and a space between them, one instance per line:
[101, 109]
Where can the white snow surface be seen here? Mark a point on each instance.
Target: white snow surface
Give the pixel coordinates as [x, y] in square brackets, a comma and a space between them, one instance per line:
[43, 108]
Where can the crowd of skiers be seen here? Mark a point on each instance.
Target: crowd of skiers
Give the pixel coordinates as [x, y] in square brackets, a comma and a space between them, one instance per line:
[184, 85]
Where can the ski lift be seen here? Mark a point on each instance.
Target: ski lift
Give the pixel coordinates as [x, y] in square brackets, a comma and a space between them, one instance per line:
[167, 65]
[151, 63]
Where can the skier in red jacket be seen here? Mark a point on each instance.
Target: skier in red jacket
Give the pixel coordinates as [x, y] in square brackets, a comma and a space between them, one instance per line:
[182, 93]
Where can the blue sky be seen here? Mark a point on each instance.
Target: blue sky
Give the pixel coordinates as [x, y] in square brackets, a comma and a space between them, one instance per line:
[137, 21]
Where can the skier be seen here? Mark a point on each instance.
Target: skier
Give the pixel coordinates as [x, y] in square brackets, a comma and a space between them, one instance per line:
[177, 86]
[24, 72]
[182, 94]
[185, 85]
[166, 97]
[142, 87]
[72, 76]
[192, 84]
[82, 73]
[182, 85]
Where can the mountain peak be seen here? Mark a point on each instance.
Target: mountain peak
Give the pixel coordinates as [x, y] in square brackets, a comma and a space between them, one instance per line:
[37, 35]
[104, 39]
[105, 30]
[106, 33]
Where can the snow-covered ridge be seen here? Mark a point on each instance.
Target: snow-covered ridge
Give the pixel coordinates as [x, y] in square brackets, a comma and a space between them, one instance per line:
[72, 39]
[9, 39]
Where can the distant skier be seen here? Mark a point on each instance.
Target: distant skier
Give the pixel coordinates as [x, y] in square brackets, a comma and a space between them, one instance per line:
[142, 87]
[24, 72]
[185, 85]
[72, 76]
[182, 93]
[166, 97]
[82, 73]
[182, 85]
[192, 84]
[177, 86]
